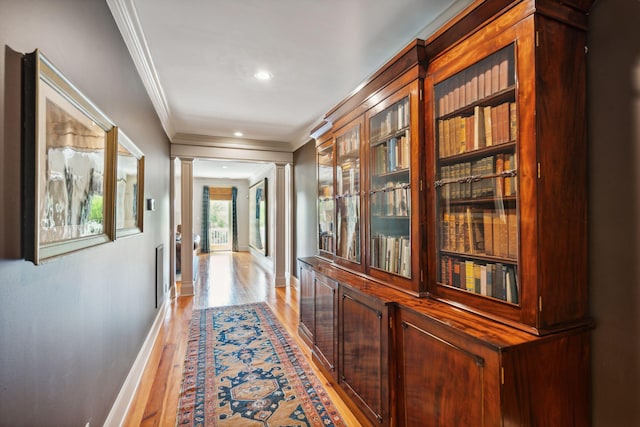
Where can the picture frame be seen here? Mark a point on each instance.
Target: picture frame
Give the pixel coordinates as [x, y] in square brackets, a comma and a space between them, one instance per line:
[129, 188]
[258, 217]
[68, 171]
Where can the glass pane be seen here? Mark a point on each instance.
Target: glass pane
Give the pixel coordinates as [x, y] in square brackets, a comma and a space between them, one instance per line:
[476, 135]
[390, 226]
[325, 199]
[220, 224]
[348, 195]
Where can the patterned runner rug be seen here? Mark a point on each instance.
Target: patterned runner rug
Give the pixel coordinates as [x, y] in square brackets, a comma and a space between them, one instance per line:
[243, 369]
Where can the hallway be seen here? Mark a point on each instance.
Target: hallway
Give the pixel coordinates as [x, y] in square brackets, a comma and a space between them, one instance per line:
[226, 278]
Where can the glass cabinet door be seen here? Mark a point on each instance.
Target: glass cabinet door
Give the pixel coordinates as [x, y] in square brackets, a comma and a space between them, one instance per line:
[390, 189]
[348, 195]
[326, 209]
[476, 169]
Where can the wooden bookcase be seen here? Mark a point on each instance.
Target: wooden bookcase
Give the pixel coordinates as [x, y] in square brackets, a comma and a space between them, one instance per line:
[488, 324]
[508, 214]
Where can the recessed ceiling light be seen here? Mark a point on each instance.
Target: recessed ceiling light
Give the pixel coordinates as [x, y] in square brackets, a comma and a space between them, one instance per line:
[263, 75]
[224, 167]
[237, 134]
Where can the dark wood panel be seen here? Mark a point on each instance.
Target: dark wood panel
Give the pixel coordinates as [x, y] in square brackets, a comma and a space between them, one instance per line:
[547, 383]
[363, 340]
[562, 185]
[325, 334]
[442, 383]
[306, 326]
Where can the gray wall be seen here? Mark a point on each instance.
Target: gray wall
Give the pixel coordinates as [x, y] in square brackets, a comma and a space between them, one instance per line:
[70, 329]
[305, 214]
[614, 214]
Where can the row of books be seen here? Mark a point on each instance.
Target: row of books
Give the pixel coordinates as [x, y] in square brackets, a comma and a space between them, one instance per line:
[391, 155]
[393, 200]
[349, 143]
[489, 125]
[477, 179]
[491, 75]
[390, 120]
[348, 178]
[391, 253]
[493, 280]
[477, 231]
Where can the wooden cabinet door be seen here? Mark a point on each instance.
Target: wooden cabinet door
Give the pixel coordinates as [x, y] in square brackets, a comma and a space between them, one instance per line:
[306, 326]
[325, 333]
[364, 353]
[442, 381]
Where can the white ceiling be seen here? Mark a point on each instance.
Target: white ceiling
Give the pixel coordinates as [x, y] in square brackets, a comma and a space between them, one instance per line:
[197, 59]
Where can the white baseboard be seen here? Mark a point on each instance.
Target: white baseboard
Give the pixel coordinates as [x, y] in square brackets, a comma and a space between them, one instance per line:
[122, 403]
[293, 281]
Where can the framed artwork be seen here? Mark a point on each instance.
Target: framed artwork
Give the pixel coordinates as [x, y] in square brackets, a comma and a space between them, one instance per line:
[129, 187]
[68, 165]
[258, 223]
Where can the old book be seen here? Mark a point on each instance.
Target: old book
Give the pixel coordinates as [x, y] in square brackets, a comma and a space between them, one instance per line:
[483, 280]
[479, 136]
[500, 236]
[511, 285]
[499, 283]
[487, 220]
[473, 71]
[503, 70]
[499, 181]
[491, 269]
[488, 137]
[477, 225]
[461, 143]
[487, 81]
[470, 283]
[495, 73]
[504, 122]
[477, 278]
[495, 121]
[512, 231]
[469, 129]
[455, 279]
[513, 122]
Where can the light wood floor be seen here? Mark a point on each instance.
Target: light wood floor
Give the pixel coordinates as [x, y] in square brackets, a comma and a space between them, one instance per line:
[225, 279]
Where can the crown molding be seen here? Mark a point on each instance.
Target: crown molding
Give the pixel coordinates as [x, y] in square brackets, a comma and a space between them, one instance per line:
[126, 17]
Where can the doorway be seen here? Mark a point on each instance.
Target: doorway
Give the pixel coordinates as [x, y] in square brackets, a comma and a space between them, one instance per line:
[220, 225]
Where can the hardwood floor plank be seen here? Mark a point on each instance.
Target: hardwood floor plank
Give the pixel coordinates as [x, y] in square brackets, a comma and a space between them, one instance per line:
[225, 278]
